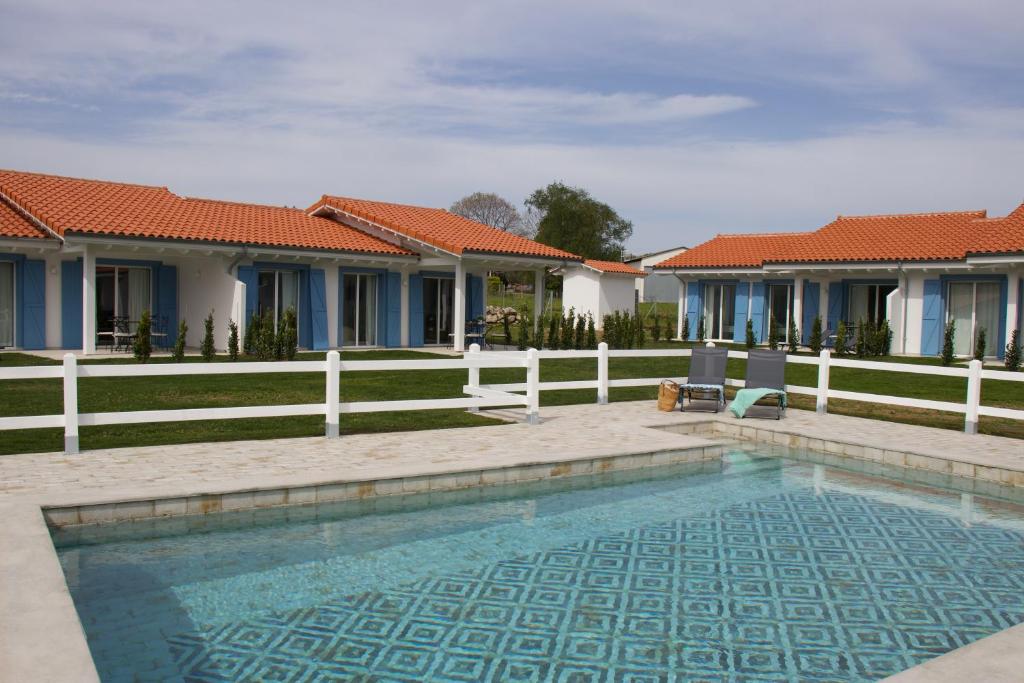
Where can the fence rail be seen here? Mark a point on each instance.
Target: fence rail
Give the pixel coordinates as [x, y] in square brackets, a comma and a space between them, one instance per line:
[477, 395]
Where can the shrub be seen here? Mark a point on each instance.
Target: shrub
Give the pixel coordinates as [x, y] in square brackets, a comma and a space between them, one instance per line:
[794, 337]
[289, 338]
[142, 346]
[554, 325]
[524, 333]
[686, 328]
[656, 328]
[700, 329]
[179, 343]
[842, 338]
[1012, 358]
[232, 340]
[751, 338]
[567, 335]
[883, 344]
[251, 332]
[948, 356]
[860, 341]
[591, 332]
[581, 332]
[980, 342]
[640, 337]
[816, 341]
[506, 324]
[264, 338]
[207, 346]
[538, 333]
[773, 333]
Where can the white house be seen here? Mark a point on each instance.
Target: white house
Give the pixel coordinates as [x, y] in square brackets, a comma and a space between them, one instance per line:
[917, 271]
[599, 288]
[657, 286]
[76, 255]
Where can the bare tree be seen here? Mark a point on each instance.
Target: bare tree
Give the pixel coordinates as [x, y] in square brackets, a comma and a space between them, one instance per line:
[490, 209]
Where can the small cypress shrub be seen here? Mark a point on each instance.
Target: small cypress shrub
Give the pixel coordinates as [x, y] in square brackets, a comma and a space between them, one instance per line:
[794, 337]
[524, 333]
[251, 330]
[686, 328]
[581, 332]
[948, 355]
[860, 341]
[265, 339]
[884, 337]
[980, 342]
[750, 339]
[232, 340]
[842, 338]
[506, 324]
[568, 333]
[290, 343]
[641, 333]
[700, 329]
[816, 342]
[207, 346]
[179, 343]
[142, 346]
[538, 333]
[591, 332]
[279, 339]
[1012, 358]
[773, 333]
[554, 326]
[656, 328]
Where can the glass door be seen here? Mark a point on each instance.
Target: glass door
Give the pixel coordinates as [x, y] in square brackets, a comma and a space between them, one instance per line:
[974, 306]
[6, 303]
[277, 291]
[121, 292]
[867, 303]
[780, 307]
[359, 310]
[438, 300]
[719, 311]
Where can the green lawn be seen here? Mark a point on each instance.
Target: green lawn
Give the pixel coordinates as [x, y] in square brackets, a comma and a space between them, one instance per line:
[42, 397]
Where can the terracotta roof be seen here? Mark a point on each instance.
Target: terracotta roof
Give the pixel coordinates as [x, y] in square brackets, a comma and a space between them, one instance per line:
[441, 228]
[616, 267]
[733, 251]
[1001, 235]
[75, 205]
[14, 224]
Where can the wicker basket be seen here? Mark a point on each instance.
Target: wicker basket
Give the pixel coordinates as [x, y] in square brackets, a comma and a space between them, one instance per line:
[668, 395]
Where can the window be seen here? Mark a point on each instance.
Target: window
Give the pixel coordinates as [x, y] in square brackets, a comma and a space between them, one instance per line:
[973, 306]
[867, 303]
[278, 290]
[359, 310]
[719, 311]
[6, 303]
[438, 300]
[780, 306]
[121, 292]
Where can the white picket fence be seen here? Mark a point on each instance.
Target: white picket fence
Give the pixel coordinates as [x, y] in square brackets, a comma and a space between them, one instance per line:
[526, 394]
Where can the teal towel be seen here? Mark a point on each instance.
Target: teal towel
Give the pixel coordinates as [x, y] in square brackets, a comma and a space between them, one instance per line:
[748, 397]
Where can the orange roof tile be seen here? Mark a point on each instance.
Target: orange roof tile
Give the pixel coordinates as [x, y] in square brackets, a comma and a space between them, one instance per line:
[14, 224]
[733, 251]
[616, 267]
[75, 205]
[441, 228]
[1001, 235]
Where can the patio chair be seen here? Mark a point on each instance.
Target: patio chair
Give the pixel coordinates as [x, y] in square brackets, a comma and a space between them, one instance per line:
[123, 335]
[765, 384]
[159, 332]
[706, 381]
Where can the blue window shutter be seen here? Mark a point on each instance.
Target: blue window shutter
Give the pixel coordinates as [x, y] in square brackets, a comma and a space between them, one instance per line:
[739, 333]
[1003, 322]
[247, 276]
[931, 318]
[305, 313]
[475, 309]
[811, 303]
[693, 292]
[167, 299]
[71, 304]
[393, 336]
[415, 310]
[835, 305]
[757, 311]
[33, 305]
[318, 307]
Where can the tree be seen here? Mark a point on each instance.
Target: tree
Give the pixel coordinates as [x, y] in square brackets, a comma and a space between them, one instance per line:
[142, 345]
[750, 338]
[948, 350]
[179, 343]
[794, 336]
[232, 340]
[207, 346]
[490, 209]
[842, 338]
[773, 334]
[816, 342]
[980, 342]
[1012, 358]
[574, 221]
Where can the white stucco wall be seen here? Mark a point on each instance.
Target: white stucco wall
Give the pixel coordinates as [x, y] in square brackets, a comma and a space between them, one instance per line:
[617, 294]
[53, 302]
[204, 284]
[581, 290]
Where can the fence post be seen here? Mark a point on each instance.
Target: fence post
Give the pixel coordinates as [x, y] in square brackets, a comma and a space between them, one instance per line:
[70, 404]
[602, 374]
[821, 405]
[532, 387]
[333, 386]
[973, 396]
[474, 373]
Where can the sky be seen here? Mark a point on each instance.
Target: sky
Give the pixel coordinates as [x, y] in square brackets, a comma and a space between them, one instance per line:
[689, 119]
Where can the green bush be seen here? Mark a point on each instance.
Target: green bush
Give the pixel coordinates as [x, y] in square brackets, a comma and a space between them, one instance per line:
[252, 331]
[264, 338]
[794, 337]
[1012, 358]
[232, 340]
[179, 343]
[524, 333]
[554, 327]
[980, 342]
[842, 339]
[207, 346]
[289, 338]
[142, 345]
[773, 333]
[700, 329]
[750, 338]
[883, 343]
[948, 355]
[581, 332]
[686, 328]
[656, 328]
[567, 335]
[816, 342]
[860, 341]
[538, 332]
[591, 332]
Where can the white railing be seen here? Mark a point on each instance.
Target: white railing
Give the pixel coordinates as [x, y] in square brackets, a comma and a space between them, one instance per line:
[971, 407]
[332, 366]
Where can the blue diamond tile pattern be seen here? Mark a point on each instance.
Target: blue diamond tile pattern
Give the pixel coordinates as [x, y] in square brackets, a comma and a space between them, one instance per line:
[797, 585]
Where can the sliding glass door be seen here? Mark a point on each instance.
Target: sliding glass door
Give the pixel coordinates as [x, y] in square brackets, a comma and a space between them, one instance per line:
[719, 311]
[974, 306]
[867, 303]
[438, 300]
[6, 303]
[277, 291]
[359, 310]
[121, 292]
[780, 307]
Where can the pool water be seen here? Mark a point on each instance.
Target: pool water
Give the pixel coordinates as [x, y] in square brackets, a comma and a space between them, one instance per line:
[758, 567]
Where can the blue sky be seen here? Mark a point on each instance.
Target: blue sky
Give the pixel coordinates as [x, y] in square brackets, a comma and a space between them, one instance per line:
[690, 119]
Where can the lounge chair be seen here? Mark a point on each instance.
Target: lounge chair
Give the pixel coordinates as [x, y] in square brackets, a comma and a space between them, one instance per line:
[706, 381]
[765, 384]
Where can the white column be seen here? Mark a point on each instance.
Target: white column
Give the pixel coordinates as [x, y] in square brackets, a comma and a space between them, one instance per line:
[404, 326]
[681, 311]
[538, 299]
[88, 302]
[1012, 304]
[798, 307]
[459, 307]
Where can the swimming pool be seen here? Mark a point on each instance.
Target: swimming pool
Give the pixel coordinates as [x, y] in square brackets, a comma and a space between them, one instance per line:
[756, 567]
